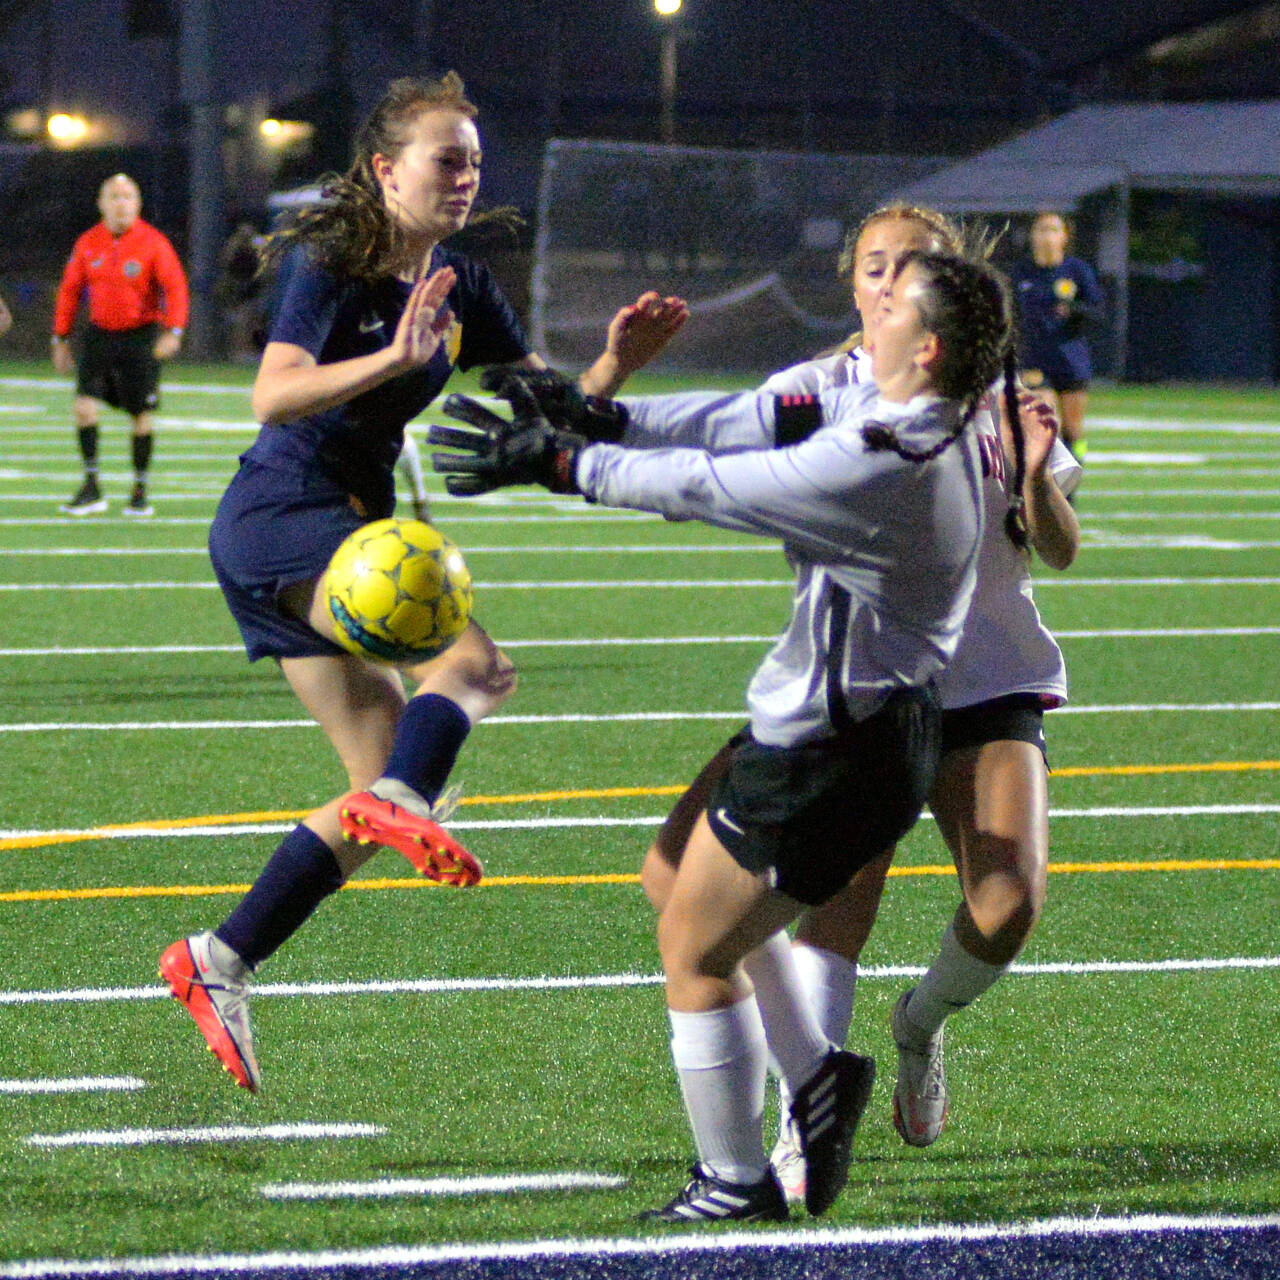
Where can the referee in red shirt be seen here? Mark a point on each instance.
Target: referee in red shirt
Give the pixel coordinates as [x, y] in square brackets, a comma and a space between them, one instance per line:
[138, 298]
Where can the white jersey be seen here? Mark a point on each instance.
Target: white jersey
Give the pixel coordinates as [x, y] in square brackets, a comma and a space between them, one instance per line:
[895, 540]
[1005, 647]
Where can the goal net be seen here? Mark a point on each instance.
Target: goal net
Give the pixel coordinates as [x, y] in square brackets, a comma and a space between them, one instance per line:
[750, 238]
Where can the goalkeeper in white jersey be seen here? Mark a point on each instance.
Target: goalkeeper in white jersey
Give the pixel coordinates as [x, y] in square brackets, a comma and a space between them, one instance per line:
[876, 494]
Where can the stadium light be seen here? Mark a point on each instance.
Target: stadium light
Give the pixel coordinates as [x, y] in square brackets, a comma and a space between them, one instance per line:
[282, 134]
[668, 9]
[66, 130]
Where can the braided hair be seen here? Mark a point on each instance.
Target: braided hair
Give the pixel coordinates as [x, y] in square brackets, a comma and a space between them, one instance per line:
[351, 231]
[968, 306]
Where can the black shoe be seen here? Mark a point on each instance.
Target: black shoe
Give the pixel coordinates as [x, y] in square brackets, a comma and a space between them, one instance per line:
[709, 1199]
[88, 500]
[826, 1114]
[138, 504]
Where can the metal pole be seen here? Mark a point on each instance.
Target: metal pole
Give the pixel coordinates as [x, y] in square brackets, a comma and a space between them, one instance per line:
[206, 218]
[669, 84]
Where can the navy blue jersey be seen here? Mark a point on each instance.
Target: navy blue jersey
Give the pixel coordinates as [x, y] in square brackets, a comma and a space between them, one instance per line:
[1051, 341]
[354, 445]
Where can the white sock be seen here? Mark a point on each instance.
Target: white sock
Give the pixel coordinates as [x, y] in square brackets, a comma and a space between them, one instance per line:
[955, 979]
[830, 982]
[720, 1059]
[409, 464]
[794, 1036]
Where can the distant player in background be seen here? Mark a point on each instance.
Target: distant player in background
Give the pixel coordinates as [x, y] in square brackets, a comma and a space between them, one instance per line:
[138, 299]
[372, 313]
[1058, 297]
[6, 318]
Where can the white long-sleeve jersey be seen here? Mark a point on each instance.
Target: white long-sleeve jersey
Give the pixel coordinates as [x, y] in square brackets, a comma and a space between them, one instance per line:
[899, 537]
[1004, 647]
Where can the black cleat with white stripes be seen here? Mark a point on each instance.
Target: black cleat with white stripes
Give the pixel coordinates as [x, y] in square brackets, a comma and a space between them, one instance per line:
[706, 1198]
[826, 1114]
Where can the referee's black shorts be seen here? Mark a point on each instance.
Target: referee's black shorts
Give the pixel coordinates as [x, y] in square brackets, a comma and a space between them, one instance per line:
[120, 368]
[814, 814]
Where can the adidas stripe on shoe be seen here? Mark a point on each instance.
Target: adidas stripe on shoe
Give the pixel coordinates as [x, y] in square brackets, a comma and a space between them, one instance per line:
[826, 1114]
[706, 1198]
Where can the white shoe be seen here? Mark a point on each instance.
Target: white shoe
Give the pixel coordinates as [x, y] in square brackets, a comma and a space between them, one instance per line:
[788, 1160]
[216, 995]
[920, 1097]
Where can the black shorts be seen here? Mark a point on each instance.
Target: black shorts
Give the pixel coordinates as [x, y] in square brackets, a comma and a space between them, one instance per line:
[1017, 717]
[120, 368]
[815, 813]
[273, 530]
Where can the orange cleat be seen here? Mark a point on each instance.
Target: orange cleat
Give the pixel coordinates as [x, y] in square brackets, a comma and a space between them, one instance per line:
[217, 997]
[370, 818]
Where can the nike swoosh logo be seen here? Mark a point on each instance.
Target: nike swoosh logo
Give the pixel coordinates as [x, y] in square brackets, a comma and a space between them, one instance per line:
[723, 818]
[370, 326]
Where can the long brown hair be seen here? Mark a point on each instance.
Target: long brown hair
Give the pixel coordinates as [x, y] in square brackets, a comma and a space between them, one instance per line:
[351, 231]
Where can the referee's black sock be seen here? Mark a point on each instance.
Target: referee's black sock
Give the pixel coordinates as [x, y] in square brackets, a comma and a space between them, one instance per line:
[88, 441]
[142, 456]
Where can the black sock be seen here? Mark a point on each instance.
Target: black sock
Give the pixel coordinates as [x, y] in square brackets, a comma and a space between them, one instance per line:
[300, 875]
[142, 456]
[88, 441]
[429, 735]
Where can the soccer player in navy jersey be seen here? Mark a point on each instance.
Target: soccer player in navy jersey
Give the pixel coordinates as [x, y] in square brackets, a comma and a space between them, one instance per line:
[372, 313]
[1058, 297]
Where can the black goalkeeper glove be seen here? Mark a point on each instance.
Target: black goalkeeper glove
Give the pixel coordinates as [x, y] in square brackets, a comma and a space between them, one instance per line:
[562, 401]
[526, 450]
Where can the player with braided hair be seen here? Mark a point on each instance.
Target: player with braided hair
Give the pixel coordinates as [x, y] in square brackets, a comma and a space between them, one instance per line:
[842, 742]
[990, 795]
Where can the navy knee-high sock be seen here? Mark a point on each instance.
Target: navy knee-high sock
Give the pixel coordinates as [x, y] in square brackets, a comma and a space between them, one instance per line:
[300, 875]
[429, 735]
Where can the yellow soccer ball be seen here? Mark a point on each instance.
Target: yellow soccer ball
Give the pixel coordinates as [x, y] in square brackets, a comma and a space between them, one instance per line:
[399, 591]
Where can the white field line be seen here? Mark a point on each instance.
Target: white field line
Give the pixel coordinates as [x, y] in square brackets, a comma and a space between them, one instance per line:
[384, 1188]
[605, 642]
[593, 822]
[671, 1246]
[1173, 541]
[1183, 427]
[574, 516]
[656, 584]
[623, 717]
[73, 1084]
[617, 981]
[200, 1134]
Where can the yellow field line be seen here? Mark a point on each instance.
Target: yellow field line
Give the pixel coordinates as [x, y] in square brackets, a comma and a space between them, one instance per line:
[624, 878]
[41, 839]
[1134, 770]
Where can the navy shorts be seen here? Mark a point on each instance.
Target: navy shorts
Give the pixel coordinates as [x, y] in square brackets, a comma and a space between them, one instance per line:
[272, 531]
[815, 813]
[120, 368]
[1017, 717]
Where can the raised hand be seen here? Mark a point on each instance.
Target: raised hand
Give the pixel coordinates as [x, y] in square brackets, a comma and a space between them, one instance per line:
[425, 320]
[641, 331]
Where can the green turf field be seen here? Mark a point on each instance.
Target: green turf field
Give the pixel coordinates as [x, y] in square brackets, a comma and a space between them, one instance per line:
[516, 1028]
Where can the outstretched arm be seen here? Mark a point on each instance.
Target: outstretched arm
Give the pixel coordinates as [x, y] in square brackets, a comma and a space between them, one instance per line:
[637, 334]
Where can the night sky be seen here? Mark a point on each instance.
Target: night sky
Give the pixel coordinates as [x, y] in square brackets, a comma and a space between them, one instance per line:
[920, 76]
